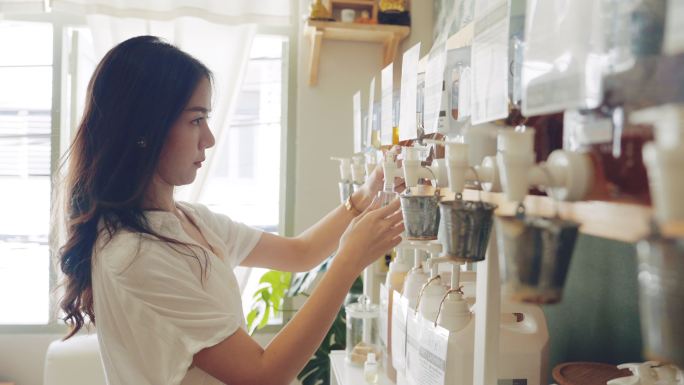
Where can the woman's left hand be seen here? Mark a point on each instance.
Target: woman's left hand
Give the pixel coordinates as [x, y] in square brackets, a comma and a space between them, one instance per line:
[374, 183]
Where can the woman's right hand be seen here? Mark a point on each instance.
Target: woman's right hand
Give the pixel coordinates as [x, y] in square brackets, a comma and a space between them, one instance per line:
[371, 234]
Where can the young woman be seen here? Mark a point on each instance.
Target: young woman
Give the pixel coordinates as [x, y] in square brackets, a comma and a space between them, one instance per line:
[156, 274]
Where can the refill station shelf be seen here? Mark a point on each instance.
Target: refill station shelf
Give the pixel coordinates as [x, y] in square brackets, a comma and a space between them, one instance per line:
[344, 373]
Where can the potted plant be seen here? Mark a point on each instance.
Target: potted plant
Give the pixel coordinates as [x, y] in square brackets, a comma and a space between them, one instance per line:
[274, 287]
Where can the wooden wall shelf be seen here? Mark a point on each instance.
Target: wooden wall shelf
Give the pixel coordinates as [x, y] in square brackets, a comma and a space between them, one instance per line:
[388, 35]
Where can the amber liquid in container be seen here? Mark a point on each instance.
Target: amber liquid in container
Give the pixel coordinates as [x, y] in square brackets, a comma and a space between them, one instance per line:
[623, 178]
[616, 178]
[548, 134]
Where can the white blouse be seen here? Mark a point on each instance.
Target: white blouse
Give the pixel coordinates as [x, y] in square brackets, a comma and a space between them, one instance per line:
[154, 310]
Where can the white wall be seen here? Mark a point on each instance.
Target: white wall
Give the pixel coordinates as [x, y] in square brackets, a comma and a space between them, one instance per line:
[22, 355]
[324, 111]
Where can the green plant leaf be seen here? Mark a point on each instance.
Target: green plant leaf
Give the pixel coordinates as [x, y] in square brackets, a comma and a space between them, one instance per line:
[264, 318]
[266, 297]
[357, 286]
[250, 320]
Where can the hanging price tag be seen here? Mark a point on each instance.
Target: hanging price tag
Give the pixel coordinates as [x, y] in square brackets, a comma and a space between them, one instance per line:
[387, 114]
[434, 79]
[356, 100]
[432, 354]
[371, 101]
[490, 61]
[399, 313]
[409, 87]
[413, 331]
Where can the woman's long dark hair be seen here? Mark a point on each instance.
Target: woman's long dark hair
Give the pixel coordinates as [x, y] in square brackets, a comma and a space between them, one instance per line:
[135, 95]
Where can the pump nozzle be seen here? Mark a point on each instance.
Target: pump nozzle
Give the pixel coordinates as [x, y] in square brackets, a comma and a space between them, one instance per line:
[391, 171]
[345, 168]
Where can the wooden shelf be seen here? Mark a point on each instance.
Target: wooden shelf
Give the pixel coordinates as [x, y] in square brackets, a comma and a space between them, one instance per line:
[388, 35]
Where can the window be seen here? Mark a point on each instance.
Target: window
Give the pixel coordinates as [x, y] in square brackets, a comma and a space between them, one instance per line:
[244, 184]
[25, 152]
[245, 179]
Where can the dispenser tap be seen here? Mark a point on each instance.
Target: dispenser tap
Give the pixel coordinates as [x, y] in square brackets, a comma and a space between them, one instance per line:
[414, 169]
[391, 170]
[459, 171]
[566, 175]
[664, 159]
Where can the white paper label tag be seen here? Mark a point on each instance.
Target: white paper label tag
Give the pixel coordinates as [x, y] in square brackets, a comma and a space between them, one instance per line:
[399, 312]
[434, 79]
[674, 28]
[560, 69]
[433, 348]
[357, 121]
[489, 61]
[409, 88]
[413, 332]
[464, 94]
[384, 311]
[371, 101]
[387, 113]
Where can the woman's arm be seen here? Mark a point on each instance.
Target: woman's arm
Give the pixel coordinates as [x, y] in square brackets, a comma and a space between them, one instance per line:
[240, 360]
[306, 251]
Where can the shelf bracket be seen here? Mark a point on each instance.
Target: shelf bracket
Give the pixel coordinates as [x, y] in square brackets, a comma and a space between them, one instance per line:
[316, 38]
[390, 50]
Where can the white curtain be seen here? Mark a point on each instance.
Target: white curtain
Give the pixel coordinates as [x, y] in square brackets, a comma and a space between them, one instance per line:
[223, 48]
[265, 12]
[217, 32]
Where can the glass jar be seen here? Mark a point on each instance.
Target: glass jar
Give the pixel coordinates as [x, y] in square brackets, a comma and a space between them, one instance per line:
[363, 319]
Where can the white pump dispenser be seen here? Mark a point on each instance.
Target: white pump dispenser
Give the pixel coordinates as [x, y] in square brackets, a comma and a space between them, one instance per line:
[455, 313]
[345, 168]
[398, 269]
[433, 291]
[345, 183]
[415, 279]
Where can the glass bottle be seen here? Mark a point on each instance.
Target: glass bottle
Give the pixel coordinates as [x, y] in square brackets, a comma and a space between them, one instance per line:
[395, 118]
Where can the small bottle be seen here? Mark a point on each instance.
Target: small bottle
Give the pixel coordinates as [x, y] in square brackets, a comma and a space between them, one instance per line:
[370, 369]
